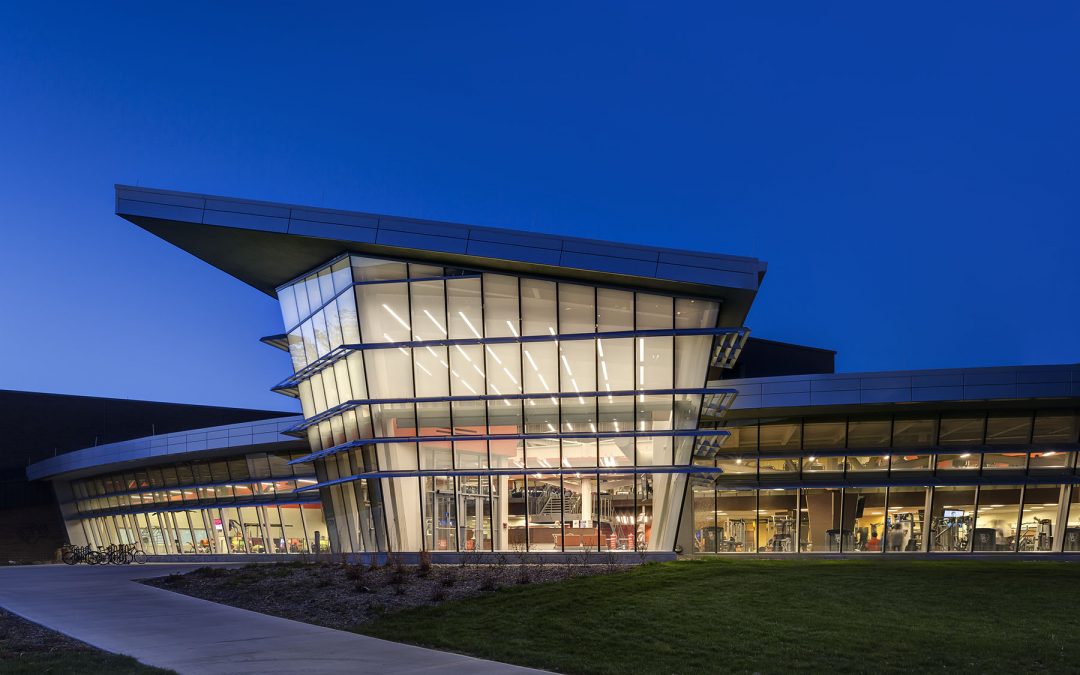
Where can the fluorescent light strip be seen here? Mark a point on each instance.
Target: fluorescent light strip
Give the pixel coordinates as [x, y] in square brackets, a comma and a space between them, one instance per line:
[641, 350]
[421, 367]
[531, 362]
[394, 314]
[469, 323]
[600, 347]
[510, 375]
[463, 353]
[477, 369]
[494, 356]
[512, 329]
[566, 364]
[435, 321]
[580, 399]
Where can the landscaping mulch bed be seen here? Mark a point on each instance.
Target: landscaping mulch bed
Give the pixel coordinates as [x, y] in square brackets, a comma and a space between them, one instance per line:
[26, 647]
[343, 595]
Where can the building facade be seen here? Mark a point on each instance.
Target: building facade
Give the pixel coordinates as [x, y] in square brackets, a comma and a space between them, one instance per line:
[469, 389]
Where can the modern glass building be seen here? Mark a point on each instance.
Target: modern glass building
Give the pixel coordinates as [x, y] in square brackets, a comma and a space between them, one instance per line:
[470, 389]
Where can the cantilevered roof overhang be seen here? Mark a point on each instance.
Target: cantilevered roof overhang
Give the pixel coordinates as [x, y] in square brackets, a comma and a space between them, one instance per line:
[266, 244]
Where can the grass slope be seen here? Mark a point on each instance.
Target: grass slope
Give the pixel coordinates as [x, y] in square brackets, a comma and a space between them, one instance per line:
[771, 616]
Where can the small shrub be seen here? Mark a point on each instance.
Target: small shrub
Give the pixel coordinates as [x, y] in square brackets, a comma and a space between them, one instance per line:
[449, 578]
[399, 588]
[424, 568]
[354, 572]
[398, 576]
[361, 588]
[439, 594]
[173, 579]
[211, 572]
[487, 581]
[323, 582]
[523, 575]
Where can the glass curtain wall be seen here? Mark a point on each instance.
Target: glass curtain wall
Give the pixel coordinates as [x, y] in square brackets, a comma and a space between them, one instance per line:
[1042, 518]
[592, 394]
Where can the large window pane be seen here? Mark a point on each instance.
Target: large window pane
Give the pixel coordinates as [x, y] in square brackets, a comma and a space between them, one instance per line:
[905, 523]
[578, 365]
[538, 308]
[501, 306]
[952, 519]
[820, 520]
[777, 517]
[616, 364]
[824, 434]
[1039, 520]
[1008, 429]
[428, 310]
[654, 312]
[962, 430]
[736, 518]
[863, 519]
[545, 504]
[615, 310]
[704, 501]
[996, 521]
[914, 432]
[464, 308]
[577, 309]
[440, 513]
[371, 269]
[1055, 427]
[869, 433]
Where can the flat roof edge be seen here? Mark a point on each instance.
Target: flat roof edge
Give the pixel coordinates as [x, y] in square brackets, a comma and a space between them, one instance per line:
[265, 245]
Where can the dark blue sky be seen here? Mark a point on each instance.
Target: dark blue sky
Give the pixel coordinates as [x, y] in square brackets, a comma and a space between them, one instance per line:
[910, 172]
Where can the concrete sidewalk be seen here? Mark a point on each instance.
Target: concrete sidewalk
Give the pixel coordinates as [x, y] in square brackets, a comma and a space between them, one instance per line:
[104, 607]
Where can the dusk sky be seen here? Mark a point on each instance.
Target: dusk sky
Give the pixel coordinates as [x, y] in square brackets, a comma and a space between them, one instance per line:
[911, 173]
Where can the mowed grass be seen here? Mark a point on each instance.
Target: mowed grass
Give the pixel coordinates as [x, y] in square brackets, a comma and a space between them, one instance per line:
[771, 616]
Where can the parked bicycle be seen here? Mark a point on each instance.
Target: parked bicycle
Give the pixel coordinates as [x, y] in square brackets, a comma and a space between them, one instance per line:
[73, 555]
[113, 554]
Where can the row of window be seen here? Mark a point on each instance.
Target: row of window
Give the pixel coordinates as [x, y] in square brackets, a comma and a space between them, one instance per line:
[906, 430]
[285, 528]
[969, 462]
[537, 511]
[191, 474]
[897, 519]
[214, 494]
[482, 305]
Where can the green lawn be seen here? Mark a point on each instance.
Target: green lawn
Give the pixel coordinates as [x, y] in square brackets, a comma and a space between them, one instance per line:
[771, 616]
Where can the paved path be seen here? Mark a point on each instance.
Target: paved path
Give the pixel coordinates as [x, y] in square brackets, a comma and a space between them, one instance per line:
[104, 607]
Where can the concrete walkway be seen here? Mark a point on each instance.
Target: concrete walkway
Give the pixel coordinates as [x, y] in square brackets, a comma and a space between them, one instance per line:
[104, 607]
